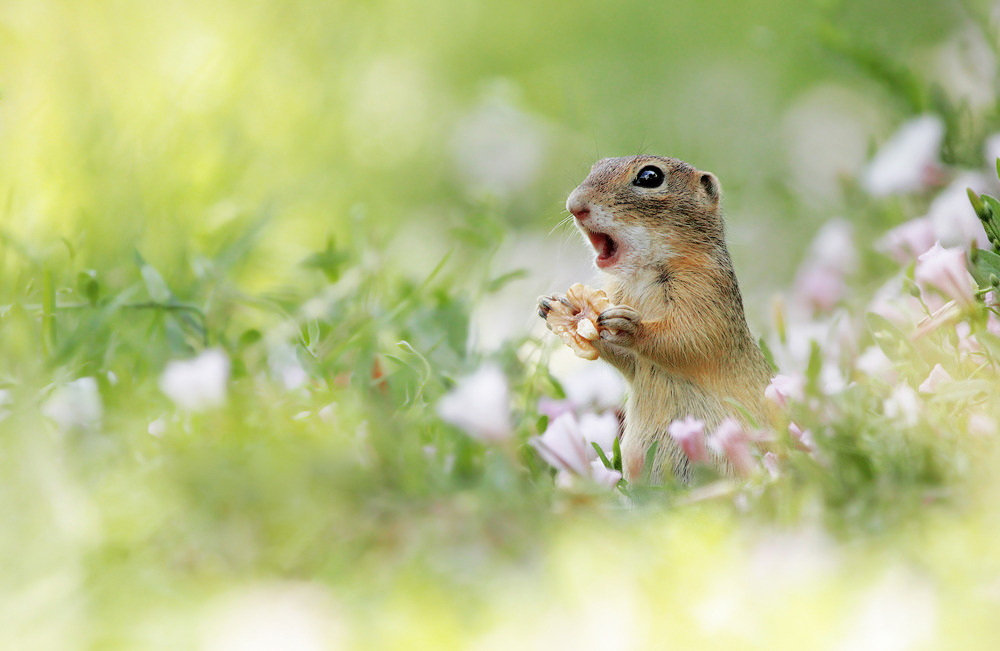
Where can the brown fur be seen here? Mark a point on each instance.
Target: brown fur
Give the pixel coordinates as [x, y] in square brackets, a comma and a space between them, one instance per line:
[690, 351]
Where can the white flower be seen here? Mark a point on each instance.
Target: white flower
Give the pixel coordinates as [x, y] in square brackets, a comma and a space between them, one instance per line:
[285, 365]
[903, 405]
[991, 150]
[732, 442]
[874, 363]
[158, 427]
[480, 405]
[954, 219]
[328, 414]
[197, 384]
[565, 448]
[982, 425]
[937, 376]
[593, 386]
[909, 239]
[833, 247]
[76, 404]
[689, 433]
[835, 337]
[908, 160]
[771, 464]
[946, 271]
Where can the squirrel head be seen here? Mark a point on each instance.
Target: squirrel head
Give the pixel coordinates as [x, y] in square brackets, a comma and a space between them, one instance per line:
[648, 212]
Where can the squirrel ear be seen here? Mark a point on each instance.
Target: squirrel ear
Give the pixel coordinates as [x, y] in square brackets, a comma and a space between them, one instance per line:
[710, 185]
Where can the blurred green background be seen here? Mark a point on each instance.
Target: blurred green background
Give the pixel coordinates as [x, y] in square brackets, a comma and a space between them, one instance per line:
[173, 127]
[180, 175]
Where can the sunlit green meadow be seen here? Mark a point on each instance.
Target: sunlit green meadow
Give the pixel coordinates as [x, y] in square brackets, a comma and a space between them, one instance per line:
[248, 251]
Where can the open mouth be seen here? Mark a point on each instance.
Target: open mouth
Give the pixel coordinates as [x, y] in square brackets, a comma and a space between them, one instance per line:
[606, 247]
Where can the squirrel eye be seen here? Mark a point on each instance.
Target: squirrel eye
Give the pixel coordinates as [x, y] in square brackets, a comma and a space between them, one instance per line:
[649, 177]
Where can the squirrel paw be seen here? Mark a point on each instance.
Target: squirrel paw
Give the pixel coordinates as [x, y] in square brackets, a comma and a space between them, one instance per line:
[555, 302]
[619, 324]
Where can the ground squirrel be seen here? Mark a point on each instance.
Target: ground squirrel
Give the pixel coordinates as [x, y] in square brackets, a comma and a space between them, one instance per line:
[675, 328]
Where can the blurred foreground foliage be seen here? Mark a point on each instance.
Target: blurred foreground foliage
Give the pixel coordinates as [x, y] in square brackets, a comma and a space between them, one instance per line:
[285, 184]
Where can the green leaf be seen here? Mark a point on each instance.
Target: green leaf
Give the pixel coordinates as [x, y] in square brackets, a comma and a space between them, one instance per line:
[985, 264]
[647, 466]
[744, 412]
[977, 203]
[155, 285]
[330, 261]
[48, 311]
[312, 333]
[248, 338]
[500, 282]
[87, 285]
[906, 87]
[991, 201]
[616, 455]
[888, 337]
[814, 368]
[991, 222]
[768, 354]
[604, 457]
[555, 385]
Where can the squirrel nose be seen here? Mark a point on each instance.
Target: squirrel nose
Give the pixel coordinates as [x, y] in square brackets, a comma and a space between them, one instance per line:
[579, 209]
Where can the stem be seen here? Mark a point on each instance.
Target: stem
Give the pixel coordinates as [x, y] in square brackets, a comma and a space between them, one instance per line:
[48, 313]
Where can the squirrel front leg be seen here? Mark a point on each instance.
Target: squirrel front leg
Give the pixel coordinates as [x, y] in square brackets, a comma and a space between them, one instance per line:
[623, 329]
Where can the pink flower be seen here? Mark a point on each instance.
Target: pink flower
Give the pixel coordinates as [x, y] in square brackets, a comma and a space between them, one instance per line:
[785, 387]
[893, 302]
[803, 438]
[732, 442]
[690, 435]
[564, 447]
[993, 323]
[908, 240]
[946, 270]
[601, 429]
[937, 376]
[967, 341]
[554, 408]
[908, 161]
[480, 405]
[832, 255]
[820, 288]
